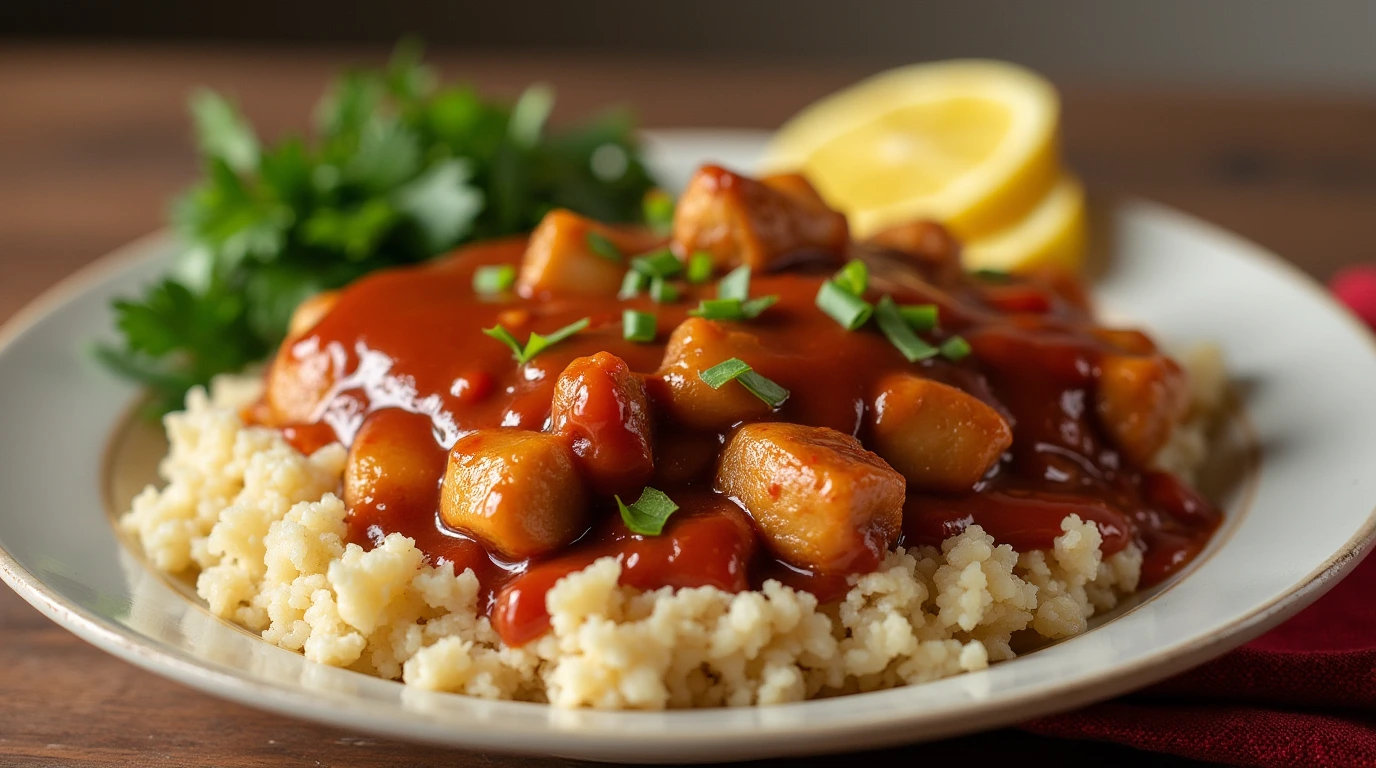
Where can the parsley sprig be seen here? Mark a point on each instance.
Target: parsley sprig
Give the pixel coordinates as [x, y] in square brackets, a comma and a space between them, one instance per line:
[397, 170]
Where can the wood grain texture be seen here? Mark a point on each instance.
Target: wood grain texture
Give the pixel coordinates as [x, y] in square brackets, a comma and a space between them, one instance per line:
[94, 142]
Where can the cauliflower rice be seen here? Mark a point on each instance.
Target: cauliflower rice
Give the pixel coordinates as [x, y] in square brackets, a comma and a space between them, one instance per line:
[262, 526]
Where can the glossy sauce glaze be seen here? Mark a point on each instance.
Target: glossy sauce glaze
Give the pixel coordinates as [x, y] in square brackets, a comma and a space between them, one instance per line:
[401, 358]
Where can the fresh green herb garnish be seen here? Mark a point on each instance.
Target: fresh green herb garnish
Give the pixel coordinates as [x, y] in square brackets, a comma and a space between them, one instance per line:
[733, 309]
[955, 348]
[896, 329]
[843, 306]
[753, 308]
[718, 309]
[736, 284]
[600, 245]
[649, 513]
[396, 171]
[661, 263]
[638, 326]
[920, 317]
[853, 278]
[658, 210]
[736, 369]
[722, 372]
[494, 278]
[632, 284]
[536, 343]
[500, 333]
[662, 291]
[733, 300]
[699, 267]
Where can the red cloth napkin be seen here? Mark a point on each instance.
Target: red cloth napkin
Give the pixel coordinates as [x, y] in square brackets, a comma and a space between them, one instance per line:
[1302, 695]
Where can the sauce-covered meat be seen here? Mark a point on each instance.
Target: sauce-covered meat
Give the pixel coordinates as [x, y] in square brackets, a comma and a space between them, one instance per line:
[832, 447]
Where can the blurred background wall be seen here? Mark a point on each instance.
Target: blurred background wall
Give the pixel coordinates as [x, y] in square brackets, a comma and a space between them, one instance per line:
[1261, 44]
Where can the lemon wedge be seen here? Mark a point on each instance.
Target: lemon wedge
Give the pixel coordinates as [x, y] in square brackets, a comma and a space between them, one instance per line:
[1054, 232]
[970, 143]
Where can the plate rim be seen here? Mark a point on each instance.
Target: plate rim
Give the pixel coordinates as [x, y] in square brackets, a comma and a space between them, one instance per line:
[148, 653]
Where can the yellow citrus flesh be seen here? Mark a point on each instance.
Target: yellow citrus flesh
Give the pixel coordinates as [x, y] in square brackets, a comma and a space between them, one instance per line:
[969, 143]
[1053, 232]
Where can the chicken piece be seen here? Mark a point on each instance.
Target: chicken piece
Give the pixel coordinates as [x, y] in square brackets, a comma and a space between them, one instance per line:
[1129, 341]
[819, 499]
[602, 409]
[394, 465]
[940, 437]
[310, 312]
[561, 261]
[297, 386]
[1140, 399]
[928, 244]
[299, 380]
[739, 220]
[516, 491]
[694, 346]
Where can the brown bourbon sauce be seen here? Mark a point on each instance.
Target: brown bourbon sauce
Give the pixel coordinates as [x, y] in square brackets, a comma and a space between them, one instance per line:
[401, 357]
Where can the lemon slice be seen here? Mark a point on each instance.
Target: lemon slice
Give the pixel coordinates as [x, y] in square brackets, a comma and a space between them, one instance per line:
[1054, 232]
[969, 143]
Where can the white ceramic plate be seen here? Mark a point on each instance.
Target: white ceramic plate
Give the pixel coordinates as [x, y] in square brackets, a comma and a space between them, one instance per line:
[1302, 518]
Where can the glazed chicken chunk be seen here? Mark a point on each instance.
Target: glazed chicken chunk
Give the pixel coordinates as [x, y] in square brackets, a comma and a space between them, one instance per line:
[1140, 400]
[941, 438]
[695, 346]
[516, 491]
[739, 220]
[393, 460]
[819, 499]
[563, 257]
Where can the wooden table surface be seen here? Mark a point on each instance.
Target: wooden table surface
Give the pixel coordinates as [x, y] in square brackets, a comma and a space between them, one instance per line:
[94, 142]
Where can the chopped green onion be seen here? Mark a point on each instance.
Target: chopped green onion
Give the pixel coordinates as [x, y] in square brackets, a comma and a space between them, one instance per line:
[920, 317]
[736, 284]
[658, 209]
[638, 326]
[718, 309]
[955, 348]
[853, 278]
[699, 267]
[632, 284]
[896, 329]
[736, 369]
[536, 343]
[772, 394]
[733, 309]
[600, 245]
[662, 291]
[649, 513]
[494, 278]
[754, 307]
[993, 275]
[844, 307]
[661, 263]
